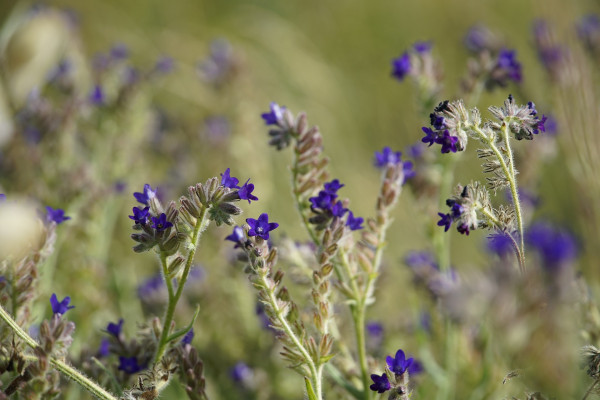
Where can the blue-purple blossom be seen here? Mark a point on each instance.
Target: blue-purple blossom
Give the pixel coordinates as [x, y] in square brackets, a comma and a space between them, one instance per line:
[241, 373]
[333, 186]
[275, 115]
[555, 246]
[60, 307]
[398, 364]
[478, 38]
[338, 210]
[437, 121]
[401, 66]
[57, 216]
[130, 365]
[151, 285]
[415, 368]
[507, 62]
[422, 47]
[228, 181]
[161, 223]
[115, 329]
[500, 243]
[140, 216]
[375, 334]
[416, 259]
[430, 136]
[261, 226]
[550, 125]
[237, 236]
[97, 96]
[119, 51]
[448, 142]
[323, 201]
[381, 384]
[463, 229]
[456, 210]
[445, 221]
[145, 196]
[354, 223]
[387, 156]
[104, 348]
[245, 192]
[189, 336]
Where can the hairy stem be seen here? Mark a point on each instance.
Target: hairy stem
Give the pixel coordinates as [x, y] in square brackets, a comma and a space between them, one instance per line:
[173, 299]
[61, 366]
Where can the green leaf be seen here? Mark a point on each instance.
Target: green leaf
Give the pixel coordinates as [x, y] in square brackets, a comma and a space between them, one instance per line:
[185, 330]
[309, 390]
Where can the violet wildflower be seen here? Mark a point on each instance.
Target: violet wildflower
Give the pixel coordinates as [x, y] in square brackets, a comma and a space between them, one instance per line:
[507, 68]
[381, 384]
[57, 216]
[401, 66]
[60, 307]
[245, 192]
[588, 30]
[478, 39]
[333, 186]
[445, 221]
[387, 156]
[338, 210]
[97, 96]
[375, 333]
[261, 226]
[556, 247]
[237, 236]
[415, 368]
[241, 373]
[323, 200]
[448, 142]
[161, 224]
[115, 329]
[430, 136]
[398, 364]
[130, 365]
[229, 181]
[119, 52]
[463, 229]
[275, 116]
[416, 259]
[189, 336]
[104, 348]
[422, 47]
[140, 216]
[150, 286]
[146, 195]
[354, 223]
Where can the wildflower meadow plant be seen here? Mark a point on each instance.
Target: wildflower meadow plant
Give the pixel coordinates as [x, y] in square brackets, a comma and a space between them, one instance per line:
[231, 289]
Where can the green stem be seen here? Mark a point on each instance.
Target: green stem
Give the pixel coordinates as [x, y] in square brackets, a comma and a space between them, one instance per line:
[289, 331]
[358, 315]
[60, 365]
[509, 172]
[589, 391]
[165, 269]
[164, 336]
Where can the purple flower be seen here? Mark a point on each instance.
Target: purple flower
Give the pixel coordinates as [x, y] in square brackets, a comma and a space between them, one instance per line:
[415, 368]
[422, 47]
[381, 384]
[401, 66]
[338, 210]
[333, 186]
[275, 116]
[478, 38]
[500, 243]
[237, 236]
[119, 51]
[430, 136]
[354, 223]
[104, 348]
[375, 333]
[2, 197]
[97, 96]
[187, 339]
[588, 30]
[448, 142]
[241, 373]
[550, 125]
[387, 156]
[556, 246]
[245, 192]
[130, 365]
[151, 285]
[115, 329]
[437, 121]
[140, 216]
[146, 195]
[57, 216]
[323, 200]
[507, 62]
[445, 221]
[229, 181]
[463, 229]
[456, 210]
[415, 259]
[60, 307]
[161, 223]
[398, 364]
[261, 226]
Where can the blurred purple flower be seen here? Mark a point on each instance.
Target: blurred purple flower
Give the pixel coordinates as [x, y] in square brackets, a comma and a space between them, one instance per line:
[401, 66]
[381, 384]
[60, 307]
[57, 216]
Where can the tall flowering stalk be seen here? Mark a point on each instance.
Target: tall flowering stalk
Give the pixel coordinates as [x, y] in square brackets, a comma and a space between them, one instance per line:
[330, 224]
[451, 125]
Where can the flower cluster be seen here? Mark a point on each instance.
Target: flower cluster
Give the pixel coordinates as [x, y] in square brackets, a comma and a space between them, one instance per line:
[389, 157]
[396, 375]
[464, 208]
[523, 121]
[133, 356]
[446, 130]
[326, 206]
[406, 63]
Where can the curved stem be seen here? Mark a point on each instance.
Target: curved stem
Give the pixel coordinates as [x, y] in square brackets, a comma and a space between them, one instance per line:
[164, 336]
[60, 365]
